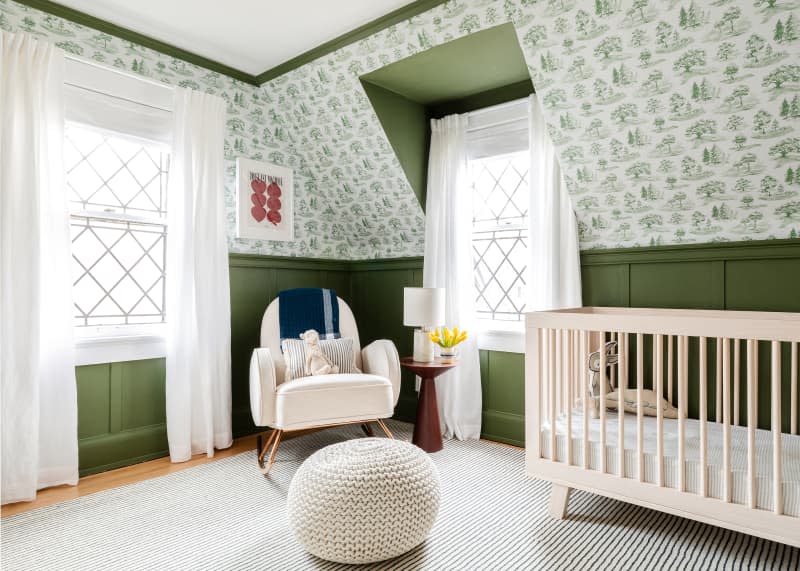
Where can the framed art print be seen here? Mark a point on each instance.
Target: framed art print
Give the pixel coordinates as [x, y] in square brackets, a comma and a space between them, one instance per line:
[264, 194]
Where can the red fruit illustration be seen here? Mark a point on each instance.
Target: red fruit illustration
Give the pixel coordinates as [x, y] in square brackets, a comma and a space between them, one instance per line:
[258, 185]
[259, 213]
[258, 199]
[274, 203]
[274, 190]
[274, 216]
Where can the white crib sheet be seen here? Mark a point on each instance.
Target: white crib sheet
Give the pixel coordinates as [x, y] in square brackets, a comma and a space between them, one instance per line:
[790, 456]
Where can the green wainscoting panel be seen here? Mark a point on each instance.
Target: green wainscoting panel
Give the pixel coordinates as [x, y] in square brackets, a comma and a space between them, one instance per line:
[503, 384]
[606, 285]
[121, 414]
[677, 284]
[94, 399]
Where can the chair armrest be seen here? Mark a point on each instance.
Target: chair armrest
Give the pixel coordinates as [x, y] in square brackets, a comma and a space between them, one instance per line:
[263, 385]
[380, 358]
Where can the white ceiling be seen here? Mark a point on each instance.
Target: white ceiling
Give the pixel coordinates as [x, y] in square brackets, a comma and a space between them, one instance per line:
[249, 35]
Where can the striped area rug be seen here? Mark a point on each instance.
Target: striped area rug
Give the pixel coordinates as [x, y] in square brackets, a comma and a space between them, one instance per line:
[226, 515]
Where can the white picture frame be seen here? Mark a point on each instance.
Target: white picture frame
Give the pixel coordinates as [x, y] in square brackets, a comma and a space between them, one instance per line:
[265, 201]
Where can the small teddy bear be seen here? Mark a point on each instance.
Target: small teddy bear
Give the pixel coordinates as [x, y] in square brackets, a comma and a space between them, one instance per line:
[317, 363]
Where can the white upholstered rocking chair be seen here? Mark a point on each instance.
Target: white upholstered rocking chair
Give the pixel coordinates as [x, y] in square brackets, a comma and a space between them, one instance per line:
[319, 401]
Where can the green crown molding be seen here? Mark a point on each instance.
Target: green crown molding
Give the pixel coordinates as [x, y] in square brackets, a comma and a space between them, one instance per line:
[368, 29]
[84, 19]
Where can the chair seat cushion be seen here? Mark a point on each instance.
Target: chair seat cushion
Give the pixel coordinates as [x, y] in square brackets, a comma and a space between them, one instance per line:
[332, 399]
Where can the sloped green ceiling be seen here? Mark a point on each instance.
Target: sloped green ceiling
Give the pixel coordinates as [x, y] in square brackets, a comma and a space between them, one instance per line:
[466, 66]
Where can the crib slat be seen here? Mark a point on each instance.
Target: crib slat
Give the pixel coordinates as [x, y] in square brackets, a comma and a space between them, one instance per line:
[755, 392]
[736, 381]
[793, 391]
[703, 416]
[751, 423]
[559, 356]
[622, 353]
[658, 363]
[551, 358]
[569, 351]
[613, 371]
[726, 418]
[670, 376]
[718, 369]
[682, 374]
[585, 390]
[602, 381]
[777, 490]
[639, 408]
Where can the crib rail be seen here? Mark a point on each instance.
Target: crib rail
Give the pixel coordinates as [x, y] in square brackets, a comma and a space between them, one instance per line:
[711, 366]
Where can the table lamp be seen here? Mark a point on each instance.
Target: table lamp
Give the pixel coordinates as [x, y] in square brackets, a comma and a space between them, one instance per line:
[423, 307]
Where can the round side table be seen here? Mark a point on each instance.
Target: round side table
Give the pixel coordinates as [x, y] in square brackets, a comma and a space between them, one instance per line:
[427, 429]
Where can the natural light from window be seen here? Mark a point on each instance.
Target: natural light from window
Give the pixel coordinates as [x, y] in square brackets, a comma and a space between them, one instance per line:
[500, 237]
[117, 190]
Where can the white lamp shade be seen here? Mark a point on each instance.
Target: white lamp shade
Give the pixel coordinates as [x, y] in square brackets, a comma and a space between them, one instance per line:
[423, 306]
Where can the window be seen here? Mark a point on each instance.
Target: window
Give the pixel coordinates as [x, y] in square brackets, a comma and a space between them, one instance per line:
[499, 161]
[117, 189]
[500, 235]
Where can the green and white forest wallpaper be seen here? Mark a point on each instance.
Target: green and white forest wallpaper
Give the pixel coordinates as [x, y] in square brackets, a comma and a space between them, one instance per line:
[675, 121]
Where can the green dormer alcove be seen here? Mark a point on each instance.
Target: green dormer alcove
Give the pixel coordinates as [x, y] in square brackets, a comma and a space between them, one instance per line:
[478, 70]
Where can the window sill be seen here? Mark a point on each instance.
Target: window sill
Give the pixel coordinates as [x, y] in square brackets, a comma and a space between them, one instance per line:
[506, 341]
[114, 349]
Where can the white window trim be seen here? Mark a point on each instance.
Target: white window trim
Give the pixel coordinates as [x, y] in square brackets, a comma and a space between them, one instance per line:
[508, 337]
[115, 343]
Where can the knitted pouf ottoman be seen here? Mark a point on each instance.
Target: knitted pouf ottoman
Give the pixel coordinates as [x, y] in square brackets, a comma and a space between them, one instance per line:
[364, 500]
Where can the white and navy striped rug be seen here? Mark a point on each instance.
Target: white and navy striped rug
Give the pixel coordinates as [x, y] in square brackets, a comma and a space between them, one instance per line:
[226, 515]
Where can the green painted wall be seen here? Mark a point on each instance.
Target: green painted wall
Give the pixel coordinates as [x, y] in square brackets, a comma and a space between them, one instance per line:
[121, 405]
[121, 414]
[405, 123]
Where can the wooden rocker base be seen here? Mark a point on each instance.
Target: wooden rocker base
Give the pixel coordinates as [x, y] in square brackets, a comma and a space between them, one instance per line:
[269, 448]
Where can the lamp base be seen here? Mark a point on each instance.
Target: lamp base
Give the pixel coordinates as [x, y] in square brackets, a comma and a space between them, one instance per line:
[423, 346]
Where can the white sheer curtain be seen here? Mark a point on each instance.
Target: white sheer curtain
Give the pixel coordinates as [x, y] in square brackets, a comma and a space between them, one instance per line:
[448, 264]
[554, 271]
[198, 292]
[39, 403]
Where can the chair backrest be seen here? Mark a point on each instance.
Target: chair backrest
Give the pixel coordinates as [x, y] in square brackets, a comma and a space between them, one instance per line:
[271, 334]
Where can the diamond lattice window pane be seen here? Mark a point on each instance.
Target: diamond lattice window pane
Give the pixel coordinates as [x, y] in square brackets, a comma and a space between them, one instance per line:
[501, 203]
[118, 261]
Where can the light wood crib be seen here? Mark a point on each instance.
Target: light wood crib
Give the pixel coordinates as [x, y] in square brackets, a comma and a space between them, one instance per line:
[717, 462]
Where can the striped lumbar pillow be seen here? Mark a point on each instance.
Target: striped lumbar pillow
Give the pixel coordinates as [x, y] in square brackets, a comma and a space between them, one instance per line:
[341, 352]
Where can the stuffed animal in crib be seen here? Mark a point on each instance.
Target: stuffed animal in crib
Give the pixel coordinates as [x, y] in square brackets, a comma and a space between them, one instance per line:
[650, 400]
[317, 363]
[594, 366]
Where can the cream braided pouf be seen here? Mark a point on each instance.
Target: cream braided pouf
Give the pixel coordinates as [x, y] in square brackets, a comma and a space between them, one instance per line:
[364, 500]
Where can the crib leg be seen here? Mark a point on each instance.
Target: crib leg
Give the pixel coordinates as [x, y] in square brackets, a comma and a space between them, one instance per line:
[559, 498]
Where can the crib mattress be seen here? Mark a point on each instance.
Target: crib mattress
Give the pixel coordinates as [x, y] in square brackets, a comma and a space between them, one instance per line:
[790, 457]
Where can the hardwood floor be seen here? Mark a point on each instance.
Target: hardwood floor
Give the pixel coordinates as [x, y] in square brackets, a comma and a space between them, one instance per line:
[123, 477]
[132, 474]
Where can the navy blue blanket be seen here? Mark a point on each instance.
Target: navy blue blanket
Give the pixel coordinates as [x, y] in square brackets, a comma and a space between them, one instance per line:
[301, 309]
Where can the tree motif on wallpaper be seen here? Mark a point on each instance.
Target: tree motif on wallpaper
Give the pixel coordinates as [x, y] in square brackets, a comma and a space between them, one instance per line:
[676, 120]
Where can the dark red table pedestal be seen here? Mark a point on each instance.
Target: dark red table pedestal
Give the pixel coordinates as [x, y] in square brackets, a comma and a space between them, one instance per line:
[427, 428]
